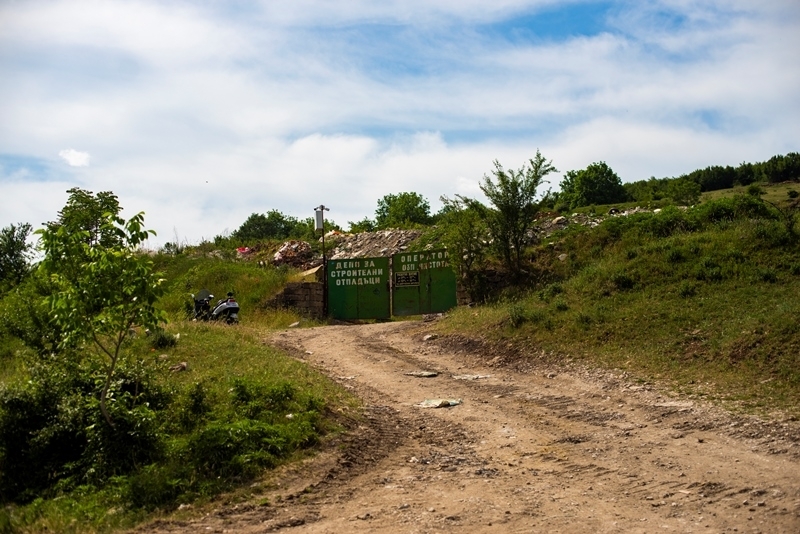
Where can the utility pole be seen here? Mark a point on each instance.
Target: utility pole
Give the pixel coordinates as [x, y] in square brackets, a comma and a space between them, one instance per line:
[319, 219]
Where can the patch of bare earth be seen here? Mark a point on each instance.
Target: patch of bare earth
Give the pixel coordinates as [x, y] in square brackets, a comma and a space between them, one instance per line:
[531, 448]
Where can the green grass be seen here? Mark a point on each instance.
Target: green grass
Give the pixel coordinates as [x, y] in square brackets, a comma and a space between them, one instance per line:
[775, 193]
[252, 285]
[709, 307]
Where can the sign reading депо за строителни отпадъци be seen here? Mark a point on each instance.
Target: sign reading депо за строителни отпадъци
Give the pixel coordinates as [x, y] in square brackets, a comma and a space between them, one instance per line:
[358, 288]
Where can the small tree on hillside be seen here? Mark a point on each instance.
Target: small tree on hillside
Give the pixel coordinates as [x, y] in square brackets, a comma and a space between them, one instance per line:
[14, 254]
[86, 211]
[513, 195]
[101, 291]
[272, 225]
[684, 191]
[364, 225]
[402, 210]
[465, 235]
[596, 184]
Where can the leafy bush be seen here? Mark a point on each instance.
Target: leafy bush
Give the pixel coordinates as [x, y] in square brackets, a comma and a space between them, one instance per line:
[550, 291]
[770, 234]
[709, 270]
[583, 320]
[161, 339]
[622, 281]
[675, 255]
[51, 431]
[687, 289]
[666, 223]
[517, 314]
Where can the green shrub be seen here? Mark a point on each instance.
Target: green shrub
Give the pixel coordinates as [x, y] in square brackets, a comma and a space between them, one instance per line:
[622, 281]
[550, 291]
[583, 320]
[771, 234]
[709, 270]
[52, 432]
[194, 406]
[768, 275]
[675, 255]
[156, 485]
[161, 339]
[517, 314]
[666, 223]
[687, 289]
[242, 447]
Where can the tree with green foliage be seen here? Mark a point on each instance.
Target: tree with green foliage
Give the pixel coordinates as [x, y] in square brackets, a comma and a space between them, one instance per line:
[596, 184]
[272, 225]
[364, 225]
[103, 286]
[648, 190]
[86, 211]
[15, 253]
[684, 191]
[781, 168]
[402, 210]
[465, 235]
[513, 195]
[714, 178]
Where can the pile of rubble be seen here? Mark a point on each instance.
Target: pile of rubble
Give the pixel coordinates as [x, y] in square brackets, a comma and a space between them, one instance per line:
[295, 254]
[549, 223]
[385, 243]
[373, 244]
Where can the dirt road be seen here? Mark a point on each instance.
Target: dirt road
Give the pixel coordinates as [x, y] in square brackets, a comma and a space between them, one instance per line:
[529, 449]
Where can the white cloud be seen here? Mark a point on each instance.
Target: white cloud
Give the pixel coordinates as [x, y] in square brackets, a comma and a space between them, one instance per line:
[205, 115]
[74, 157]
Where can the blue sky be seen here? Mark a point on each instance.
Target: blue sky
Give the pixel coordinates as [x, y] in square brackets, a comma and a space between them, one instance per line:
[200, 113]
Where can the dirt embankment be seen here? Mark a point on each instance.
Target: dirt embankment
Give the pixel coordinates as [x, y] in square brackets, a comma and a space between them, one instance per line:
[528, 449]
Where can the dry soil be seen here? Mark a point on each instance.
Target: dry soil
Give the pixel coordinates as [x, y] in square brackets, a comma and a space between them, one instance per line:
[530, 448]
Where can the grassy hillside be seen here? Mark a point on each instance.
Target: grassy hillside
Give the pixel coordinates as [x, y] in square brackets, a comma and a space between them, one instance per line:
[707, 299]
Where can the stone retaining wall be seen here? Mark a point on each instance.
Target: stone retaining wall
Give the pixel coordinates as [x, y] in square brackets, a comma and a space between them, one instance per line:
[305, 297]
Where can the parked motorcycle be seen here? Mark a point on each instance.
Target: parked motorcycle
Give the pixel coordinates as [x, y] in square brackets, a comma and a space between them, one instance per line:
[226, 309]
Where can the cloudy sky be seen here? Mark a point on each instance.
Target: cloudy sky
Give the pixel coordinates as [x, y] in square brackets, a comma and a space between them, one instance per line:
[200, 113]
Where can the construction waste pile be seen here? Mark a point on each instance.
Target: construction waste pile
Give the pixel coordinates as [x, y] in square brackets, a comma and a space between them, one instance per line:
[384, 243]
[373, 244]
[294, 254]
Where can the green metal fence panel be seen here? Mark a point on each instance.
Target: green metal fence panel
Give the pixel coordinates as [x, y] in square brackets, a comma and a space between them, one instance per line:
[424, 282]
[358, 288]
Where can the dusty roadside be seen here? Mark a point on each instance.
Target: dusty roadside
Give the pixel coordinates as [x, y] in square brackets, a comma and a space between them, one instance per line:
[527, 450]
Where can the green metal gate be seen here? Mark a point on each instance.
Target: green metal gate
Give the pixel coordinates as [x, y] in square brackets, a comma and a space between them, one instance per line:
[358, 288]
[424, 282]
